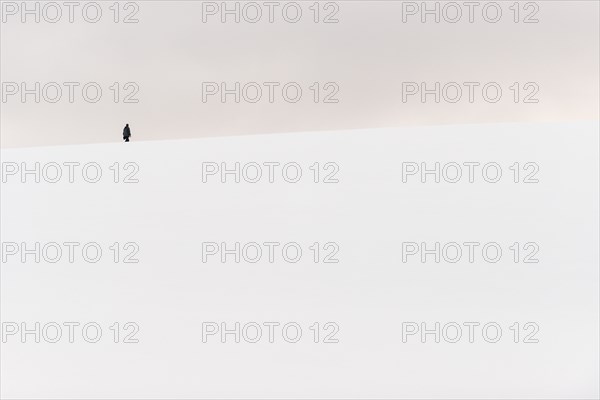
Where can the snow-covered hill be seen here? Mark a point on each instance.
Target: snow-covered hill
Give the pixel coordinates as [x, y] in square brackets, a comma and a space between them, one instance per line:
[354, 197]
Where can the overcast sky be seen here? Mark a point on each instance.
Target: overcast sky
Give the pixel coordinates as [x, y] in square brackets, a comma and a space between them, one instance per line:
[365, 58]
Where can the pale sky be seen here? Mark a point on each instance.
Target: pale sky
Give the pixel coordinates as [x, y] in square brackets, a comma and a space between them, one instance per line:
[367, 55]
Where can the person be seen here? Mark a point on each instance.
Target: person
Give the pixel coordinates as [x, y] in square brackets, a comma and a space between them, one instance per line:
[126, 133]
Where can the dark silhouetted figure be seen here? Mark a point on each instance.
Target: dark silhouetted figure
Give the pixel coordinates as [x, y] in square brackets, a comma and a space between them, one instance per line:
[126, 133]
